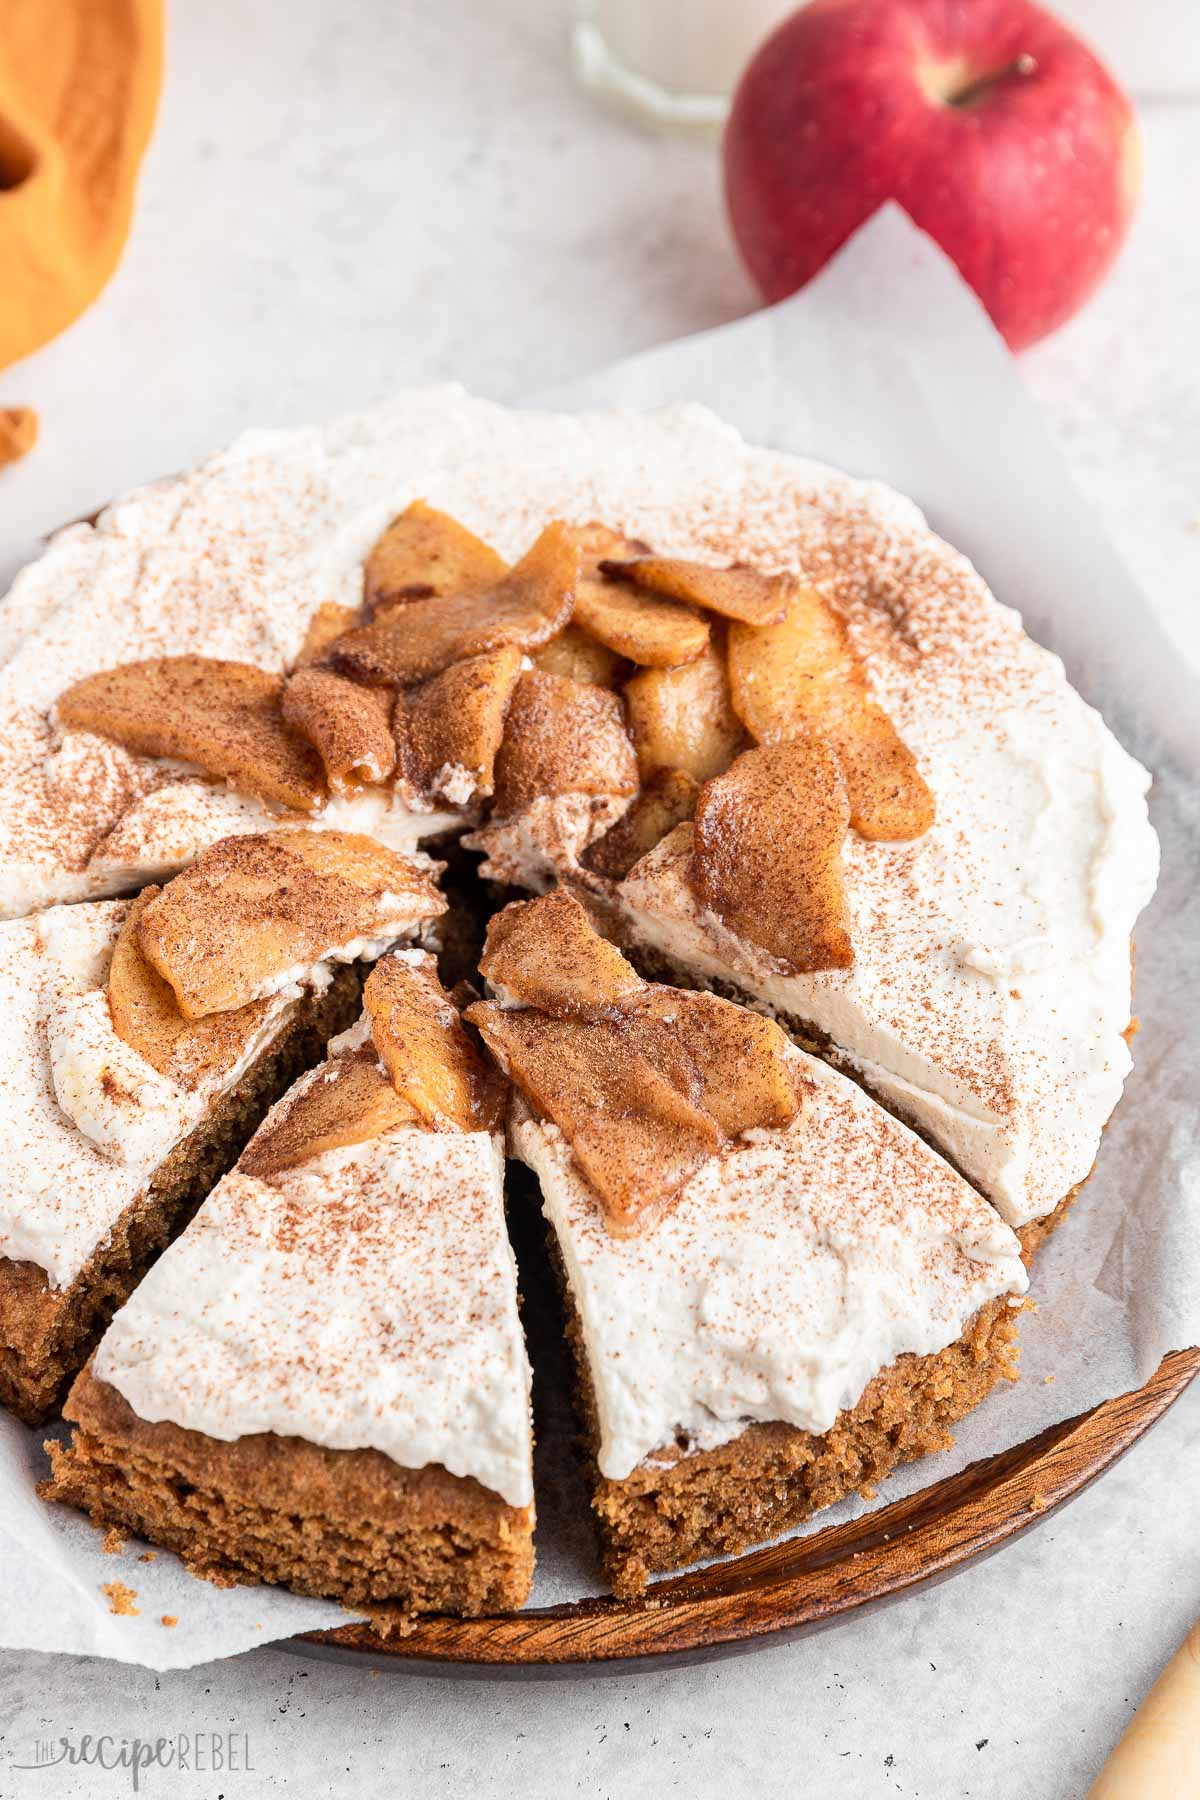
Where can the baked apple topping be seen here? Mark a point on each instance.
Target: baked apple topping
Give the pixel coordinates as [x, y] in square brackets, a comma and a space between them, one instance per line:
[802, 675]
[448, 729]
[252, 914]
[146, 1015]
[654, 633]
[347, 725]
[431, 1061]
[224, 717]
[526, 607]
[349, 1101]
[665, 800]
[425, 552]
[739, 592]
[644, 1082]
[589, 673]
[328, 623]
[682, 718]
[767, 853]
[545, 954]
[417, 1069]
[582, 658]
[562, 737]
[635, 1135]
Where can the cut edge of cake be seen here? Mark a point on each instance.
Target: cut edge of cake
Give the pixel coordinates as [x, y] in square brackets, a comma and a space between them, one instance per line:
[352, 1525]
[319, 1197]
[47, 1332]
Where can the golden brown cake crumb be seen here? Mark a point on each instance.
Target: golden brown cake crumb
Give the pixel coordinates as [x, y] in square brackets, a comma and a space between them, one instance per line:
[18, 433]
[121, 1599]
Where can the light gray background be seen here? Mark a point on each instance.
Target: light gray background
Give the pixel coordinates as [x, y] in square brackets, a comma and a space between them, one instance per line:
[343, 199]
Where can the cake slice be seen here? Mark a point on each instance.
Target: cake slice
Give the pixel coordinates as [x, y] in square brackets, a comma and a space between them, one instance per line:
[324, 1382]
[120, 1108]
[764, 1319]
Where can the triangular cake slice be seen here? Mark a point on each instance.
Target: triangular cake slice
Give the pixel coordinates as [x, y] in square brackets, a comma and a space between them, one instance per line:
[324, 1381]
[778, 1323]
[121, 1109]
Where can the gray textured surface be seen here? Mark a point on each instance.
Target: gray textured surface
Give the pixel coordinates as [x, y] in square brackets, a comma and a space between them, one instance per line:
[343, 199]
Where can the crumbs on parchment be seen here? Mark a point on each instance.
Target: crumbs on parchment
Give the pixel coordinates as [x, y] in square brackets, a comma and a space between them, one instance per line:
[121, 1599]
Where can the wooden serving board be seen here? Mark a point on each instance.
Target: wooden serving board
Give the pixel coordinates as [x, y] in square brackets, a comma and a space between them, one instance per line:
[801, 1584]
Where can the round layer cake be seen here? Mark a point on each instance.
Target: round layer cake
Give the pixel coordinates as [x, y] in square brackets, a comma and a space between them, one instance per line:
[824, 849]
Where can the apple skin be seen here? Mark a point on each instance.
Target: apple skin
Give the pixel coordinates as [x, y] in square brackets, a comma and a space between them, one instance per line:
[1028, 182]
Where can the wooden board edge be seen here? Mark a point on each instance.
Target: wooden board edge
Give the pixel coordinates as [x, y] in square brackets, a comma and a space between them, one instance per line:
[803, 1582]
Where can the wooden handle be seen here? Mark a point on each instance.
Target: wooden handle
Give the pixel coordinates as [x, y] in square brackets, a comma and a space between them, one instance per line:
[1158, 1758]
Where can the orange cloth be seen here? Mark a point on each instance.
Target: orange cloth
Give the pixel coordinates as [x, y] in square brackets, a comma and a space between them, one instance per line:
[79, 83]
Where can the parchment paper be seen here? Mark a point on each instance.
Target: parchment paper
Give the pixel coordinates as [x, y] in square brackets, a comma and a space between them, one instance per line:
[886, 366]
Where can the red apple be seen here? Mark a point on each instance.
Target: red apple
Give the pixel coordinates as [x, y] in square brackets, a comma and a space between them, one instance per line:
[994, 127]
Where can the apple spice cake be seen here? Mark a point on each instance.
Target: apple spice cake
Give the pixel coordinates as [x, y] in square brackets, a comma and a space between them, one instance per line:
[145, 1040]
[776, 1291]
[324, 1381]
[774, 734]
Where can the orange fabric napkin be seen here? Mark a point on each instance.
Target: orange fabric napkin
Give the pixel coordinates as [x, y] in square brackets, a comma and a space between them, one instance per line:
[79, 83]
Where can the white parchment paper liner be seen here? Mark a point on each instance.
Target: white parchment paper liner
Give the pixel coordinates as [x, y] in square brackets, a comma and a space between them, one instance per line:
[885, 366]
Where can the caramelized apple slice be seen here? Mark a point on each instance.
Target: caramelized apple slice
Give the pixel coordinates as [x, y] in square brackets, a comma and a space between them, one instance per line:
[767, 853]
[328, 623]
[448, 729]
[426, 552]
[652, 632]
[252, 914]
[737, 593]
[348, 1101]
[741, 1057]
[582, 658]
[562, 737]
[222, 716]
[544, 953]
[432, 1062]
[803, 675]
[146, 1015]
[682, 718]
[525, 607]
[367, 866]
[636, 1135]
[349, 727]
[666, 800]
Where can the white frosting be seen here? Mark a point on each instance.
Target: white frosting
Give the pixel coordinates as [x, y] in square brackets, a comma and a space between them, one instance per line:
[791, 1270]
[83, 1119]
[126, 1108]
[456, 783]
[367, 1300]
[529, 848]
